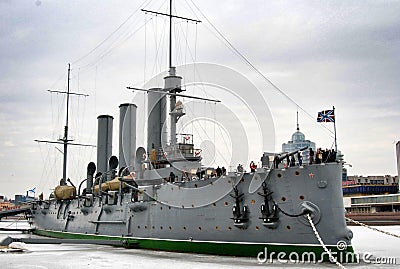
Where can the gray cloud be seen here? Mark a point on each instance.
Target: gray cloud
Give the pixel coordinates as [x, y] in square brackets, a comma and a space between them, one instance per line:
[321, 53]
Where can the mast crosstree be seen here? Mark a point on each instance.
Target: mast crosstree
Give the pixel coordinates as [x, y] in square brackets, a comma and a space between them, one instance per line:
[172, 85]
[64, 140]
[170, 26]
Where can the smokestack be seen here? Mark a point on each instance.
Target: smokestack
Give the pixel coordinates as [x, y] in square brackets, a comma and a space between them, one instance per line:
[154, 122]
[104, 142]
[127, 135]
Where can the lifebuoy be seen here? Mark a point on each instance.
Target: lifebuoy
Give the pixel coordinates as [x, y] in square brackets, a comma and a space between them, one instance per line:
[144, 156]
[197, 153]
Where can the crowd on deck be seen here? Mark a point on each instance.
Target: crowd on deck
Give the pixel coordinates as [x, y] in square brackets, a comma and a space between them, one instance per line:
[287, 160]
[320, 156]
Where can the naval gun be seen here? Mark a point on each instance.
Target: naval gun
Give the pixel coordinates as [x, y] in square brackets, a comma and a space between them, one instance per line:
[280, 157]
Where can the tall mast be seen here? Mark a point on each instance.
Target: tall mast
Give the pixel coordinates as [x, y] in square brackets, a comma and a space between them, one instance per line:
[172, 84]
[170, 34]
[65, 139]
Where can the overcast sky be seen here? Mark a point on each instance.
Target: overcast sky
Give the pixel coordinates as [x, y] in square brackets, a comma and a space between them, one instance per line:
[320, 53]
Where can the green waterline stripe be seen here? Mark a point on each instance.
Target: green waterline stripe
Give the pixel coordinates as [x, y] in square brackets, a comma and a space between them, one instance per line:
[206, 247]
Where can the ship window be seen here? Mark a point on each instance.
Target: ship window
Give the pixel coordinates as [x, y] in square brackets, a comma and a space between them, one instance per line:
[216, 228]
[288, 227]
[161, 227]
[229, 228]
[138, 227]
[283, 198]
[184, 227]
[170, 227]
[257, 228]
[301, 197]
[199, 228]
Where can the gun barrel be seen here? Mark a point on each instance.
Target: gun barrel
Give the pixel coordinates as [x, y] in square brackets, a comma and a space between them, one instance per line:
[292, 153]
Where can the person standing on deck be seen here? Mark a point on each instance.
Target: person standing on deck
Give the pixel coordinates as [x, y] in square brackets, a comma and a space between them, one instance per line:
[311, 156]
[299, 158]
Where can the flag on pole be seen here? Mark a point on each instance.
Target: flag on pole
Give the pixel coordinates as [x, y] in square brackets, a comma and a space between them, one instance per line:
[32, 190]
[326, 116]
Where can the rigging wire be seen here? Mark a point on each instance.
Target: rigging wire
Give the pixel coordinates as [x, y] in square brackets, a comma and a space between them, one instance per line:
[247, 61]
[111, 49]
[112, 33]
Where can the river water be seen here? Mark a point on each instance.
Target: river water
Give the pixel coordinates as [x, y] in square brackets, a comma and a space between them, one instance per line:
[70, 256]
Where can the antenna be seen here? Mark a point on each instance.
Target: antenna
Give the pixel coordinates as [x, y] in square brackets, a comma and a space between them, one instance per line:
[298, 128]
[170, 26]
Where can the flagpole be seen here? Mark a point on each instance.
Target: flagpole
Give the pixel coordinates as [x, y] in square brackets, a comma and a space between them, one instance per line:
[334, 126]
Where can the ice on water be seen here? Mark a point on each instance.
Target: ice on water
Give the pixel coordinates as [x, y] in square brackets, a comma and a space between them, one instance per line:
[69, 256]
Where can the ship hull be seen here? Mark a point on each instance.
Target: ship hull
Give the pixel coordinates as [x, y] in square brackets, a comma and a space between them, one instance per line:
[195, 219]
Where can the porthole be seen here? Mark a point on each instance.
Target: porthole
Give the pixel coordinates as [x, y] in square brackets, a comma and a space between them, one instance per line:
[226, 203]
[252, 202]
[184, 227]
[216, 228]
[279, 175]
[229, 228]
[288, 227]
[283, 198]
[199, 228]
[297, 173]
[301, 197]
[257, 228]
[214, 204]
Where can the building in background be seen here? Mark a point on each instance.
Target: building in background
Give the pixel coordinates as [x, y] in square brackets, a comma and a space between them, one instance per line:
[299, 141]
[20, 199]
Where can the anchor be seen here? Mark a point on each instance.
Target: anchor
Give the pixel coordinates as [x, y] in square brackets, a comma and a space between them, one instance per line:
[269, 216]
[239, 216]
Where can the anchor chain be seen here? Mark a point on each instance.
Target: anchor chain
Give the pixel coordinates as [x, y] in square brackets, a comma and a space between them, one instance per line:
[372, 228]
[333, 259]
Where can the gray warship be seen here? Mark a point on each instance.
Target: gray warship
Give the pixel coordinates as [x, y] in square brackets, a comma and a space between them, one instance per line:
[162, 198]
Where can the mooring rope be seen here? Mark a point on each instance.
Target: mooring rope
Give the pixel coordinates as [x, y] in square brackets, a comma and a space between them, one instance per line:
[332, 259]
[372, 228]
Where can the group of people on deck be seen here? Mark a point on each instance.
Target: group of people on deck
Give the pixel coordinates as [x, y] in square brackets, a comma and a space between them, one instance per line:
[322, 156]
